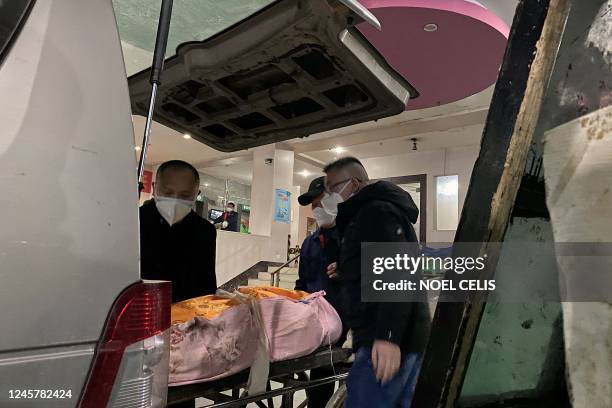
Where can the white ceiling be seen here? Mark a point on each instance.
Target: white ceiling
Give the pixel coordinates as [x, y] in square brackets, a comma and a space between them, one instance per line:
[242, 172]
[456, 137]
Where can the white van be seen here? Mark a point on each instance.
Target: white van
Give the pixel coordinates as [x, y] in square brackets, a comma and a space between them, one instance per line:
[79, 324]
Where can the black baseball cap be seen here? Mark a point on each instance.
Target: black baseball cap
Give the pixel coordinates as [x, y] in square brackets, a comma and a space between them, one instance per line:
[316, 188]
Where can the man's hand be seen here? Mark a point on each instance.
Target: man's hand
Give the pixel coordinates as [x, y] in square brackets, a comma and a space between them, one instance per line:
[386, 359]
[332, 270]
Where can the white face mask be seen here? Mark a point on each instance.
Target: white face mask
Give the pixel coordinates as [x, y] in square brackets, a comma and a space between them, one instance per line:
[173, 209]
[323, 218]
[330, 201]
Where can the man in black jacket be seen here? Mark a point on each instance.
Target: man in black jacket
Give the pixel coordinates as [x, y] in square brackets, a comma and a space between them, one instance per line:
[176, 244]
[389, 338]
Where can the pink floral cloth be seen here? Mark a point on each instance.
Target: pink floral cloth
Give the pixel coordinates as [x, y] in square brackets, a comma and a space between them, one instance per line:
[297, 328]
[208, 349]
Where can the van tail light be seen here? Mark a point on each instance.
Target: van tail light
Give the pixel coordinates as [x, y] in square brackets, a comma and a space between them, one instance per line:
[131, 362]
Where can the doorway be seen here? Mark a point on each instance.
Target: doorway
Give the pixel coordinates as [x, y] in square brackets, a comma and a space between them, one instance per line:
[416, 186]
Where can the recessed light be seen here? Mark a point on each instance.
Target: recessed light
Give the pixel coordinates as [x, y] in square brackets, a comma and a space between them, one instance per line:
[206, 184]
[137, 148]
[186, 136]
[338, 150]
[430, 28]
[305, 173]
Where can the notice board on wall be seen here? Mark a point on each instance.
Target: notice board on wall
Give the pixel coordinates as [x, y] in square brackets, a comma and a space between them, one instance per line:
[282, 205]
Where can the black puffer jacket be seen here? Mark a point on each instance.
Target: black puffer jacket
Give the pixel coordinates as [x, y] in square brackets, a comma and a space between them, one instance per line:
[380, 212]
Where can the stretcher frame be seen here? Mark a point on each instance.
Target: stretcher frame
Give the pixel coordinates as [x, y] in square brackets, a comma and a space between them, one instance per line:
[290, 373]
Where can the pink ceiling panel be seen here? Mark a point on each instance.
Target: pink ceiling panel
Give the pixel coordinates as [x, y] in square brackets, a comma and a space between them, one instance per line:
[459, 59]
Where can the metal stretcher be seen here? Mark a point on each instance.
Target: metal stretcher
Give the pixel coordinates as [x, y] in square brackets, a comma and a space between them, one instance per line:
[290, 373]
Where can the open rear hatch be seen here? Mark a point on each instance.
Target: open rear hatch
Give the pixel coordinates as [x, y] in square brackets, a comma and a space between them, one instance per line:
[295, 68]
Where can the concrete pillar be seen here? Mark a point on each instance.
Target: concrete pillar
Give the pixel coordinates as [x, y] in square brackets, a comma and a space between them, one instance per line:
[295, 216]
[272, 169]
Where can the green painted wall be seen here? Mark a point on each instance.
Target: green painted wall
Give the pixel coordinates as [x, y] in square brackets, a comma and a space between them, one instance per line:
[519, 347]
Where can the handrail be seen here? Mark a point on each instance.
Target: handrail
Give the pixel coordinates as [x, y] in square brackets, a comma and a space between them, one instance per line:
[275, 275]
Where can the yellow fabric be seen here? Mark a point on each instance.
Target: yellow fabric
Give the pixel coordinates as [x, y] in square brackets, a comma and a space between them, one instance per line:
[211, 306]
[208, 307]
[263, 292]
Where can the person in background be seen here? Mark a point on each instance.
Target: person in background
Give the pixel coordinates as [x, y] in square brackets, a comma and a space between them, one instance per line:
[244, 227]
[389, 337]
[319, 250]
[176, 244]
[228, 221]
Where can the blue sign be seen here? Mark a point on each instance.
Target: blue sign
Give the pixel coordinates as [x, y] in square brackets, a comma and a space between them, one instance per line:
[282, 206]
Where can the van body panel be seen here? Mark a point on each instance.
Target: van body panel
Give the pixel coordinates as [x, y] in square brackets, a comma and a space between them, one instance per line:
[61, 369]
[69, 206]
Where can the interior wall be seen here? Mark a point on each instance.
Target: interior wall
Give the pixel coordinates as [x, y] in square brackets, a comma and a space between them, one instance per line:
[262, 194]
[459, 160]
[295, 216]
[283, 179]
[235, 253]
[272, 169]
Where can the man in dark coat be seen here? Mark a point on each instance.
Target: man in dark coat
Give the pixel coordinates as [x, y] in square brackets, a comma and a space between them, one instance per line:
[176, 244]
[228, 221]
[319, 250]
[389, 338]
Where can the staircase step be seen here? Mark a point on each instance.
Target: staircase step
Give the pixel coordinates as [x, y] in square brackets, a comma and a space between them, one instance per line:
[259, 282]
[284, 271]
[265, 276]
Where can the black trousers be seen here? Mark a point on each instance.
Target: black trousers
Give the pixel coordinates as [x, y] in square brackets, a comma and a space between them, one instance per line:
[185, 404]
[318, 396]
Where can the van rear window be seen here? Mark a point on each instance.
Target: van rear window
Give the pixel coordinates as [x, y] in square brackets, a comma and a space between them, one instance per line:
[13, 14]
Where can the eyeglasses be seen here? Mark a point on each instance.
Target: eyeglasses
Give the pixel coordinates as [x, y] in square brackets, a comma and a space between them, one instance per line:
[330, 189]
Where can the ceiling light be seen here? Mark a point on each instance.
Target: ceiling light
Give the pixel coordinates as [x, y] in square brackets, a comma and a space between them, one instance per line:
[186, 136]
[430, 28]
[305, 173]
[338, 150]
[137, 148]
[206, 184]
